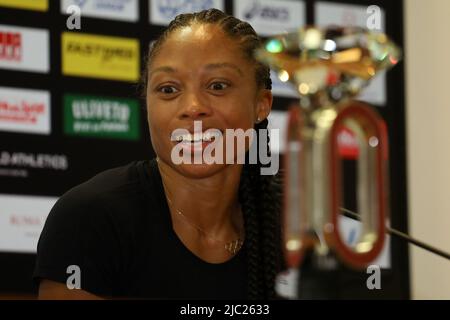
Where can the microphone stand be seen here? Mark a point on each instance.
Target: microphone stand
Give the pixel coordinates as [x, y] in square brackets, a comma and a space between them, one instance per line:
[319, 276]
[403, 236]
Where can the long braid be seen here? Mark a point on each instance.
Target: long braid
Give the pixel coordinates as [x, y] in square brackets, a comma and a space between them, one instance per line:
[269, 202]
[259, 195]
[249, 201]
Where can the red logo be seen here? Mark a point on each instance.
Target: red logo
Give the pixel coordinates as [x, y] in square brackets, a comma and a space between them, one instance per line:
[348, 145]
[23, 112]
[10, 46]
[22, 220]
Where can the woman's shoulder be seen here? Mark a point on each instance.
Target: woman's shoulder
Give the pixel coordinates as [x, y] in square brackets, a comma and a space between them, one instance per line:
[113, 203]
[113, 190]
[110, 181]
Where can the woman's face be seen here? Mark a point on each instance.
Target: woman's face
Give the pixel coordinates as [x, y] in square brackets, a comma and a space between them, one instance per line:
[200, 74]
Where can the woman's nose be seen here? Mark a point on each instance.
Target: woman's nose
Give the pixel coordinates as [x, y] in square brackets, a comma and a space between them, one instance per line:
[194, 107]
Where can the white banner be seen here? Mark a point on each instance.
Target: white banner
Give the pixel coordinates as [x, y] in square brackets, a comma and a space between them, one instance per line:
[21, 221]
[270, 17]
[124, 10]
[282, 89]
[25, 111]
[24, 49]
[328, 13]
[350, 234]
[278, 120]
[163, 11]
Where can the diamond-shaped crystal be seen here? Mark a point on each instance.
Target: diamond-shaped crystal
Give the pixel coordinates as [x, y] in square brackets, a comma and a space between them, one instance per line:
[335, 63]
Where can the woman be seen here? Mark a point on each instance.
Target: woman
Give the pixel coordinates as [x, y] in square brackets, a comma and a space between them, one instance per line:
[157, 229]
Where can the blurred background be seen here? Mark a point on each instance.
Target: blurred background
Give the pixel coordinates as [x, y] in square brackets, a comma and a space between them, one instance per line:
[71, 106]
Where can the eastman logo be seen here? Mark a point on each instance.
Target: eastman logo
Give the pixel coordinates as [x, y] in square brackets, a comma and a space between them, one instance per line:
[103, 57]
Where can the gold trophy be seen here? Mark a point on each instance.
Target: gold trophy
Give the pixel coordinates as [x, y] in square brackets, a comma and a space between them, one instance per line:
[329, 67]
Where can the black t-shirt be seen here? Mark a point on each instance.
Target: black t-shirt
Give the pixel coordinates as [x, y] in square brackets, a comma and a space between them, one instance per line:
[117, 229]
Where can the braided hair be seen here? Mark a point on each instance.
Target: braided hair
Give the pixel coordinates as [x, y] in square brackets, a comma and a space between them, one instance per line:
[259, 195]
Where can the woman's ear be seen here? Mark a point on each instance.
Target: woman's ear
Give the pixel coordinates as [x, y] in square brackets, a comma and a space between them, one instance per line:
[263, 104]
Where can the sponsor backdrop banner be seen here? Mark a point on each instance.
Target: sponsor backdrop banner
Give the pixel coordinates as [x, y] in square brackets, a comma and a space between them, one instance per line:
[38, 5]
[21, 221]
[25, 110]
[25, 49]
[124, 10]
[271, 17]
[91, 116]
[71, 107]
[101, 57]
[25, 170]
[163, 11]
[354, 15]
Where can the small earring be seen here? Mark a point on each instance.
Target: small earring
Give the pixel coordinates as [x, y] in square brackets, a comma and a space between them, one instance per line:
[258, 120]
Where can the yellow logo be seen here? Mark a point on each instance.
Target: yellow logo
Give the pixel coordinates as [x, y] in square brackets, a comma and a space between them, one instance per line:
[38, 5]
[103, 57]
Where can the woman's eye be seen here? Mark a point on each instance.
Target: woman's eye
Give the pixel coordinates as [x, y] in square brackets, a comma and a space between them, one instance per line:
[168, 89]
[218, 86]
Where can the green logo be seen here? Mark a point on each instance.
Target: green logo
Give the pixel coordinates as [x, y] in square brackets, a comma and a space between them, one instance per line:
[101, 117]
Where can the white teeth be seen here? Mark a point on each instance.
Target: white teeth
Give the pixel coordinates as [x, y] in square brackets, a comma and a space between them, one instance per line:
[207, 136]
[196, 137]
[192, 138]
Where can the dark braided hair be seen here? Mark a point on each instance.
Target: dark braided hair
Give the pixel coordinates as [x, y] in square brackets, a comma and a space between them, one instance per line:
[259, 195]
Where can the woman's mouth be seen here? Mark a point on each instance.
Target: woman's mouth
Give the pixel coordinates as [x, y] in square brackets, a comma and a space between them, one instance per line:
[196, 142]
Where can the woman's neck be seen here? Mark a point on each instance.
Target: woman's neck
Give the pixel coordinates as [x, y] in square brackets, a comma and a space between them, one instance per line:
[211, 203]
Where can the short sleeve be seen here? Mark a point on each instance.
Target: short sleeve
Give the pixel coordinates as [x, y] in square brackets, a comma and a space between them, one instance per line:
[80, 234]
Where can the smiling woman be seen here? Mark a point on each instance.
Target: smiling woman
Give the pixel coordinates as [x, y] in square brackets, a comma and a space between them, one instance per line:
[158, 229]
